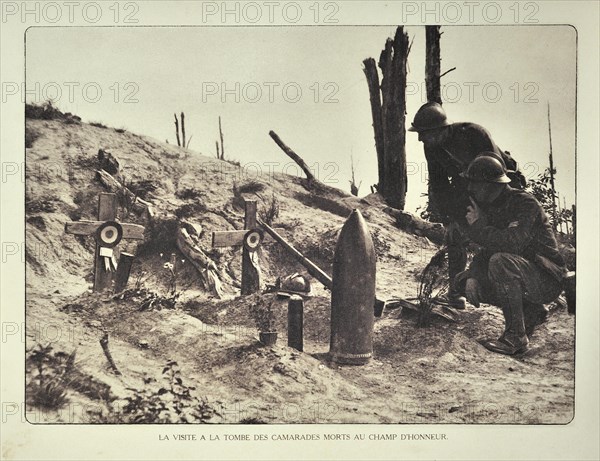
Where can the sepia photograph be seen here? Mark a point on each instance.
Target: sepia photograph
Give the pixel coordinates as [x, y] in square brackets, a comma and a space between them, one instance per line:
[297, 228]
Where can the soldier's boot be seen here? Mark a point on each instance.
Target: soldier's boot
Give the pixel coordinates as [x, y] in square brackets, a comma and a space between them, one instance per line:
[514, 340]
[535, 315]
[457, 261]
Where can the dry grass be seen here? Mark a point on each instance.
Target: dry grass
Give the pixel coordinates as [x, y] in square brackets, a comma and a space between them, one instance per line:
[269, 212]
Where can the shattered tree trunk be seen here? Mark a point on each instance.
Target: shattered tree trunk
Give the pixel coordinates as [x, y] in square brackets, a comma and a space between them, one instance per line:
[432, 64]
[375, 98]
[434, 93]
[177, 130]
[183, 130]
[392, 63]
[221, 137]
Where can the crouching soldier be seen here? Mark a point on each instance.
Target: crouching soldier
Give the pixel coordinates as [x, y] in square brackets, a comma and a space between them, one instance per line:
[449, 149]
[519, 267]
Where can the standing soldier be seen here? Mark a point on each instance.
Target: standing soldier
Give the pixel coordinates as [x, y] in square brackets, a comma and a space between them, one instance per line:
[449, 149]
[519, 267]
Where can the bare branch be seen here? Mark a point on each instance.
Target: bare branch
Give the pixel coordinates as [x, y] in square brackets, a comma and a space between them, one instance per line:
[448, 71]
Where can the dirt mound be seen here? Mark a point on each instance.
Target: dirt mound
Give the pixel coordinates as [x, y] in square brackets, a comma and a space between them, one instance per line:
[435, 374]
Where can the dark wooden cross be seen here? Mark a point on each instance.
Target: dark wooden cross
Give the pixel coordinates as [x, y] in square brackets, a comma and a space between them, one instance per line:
[250, 267]
[107, 211]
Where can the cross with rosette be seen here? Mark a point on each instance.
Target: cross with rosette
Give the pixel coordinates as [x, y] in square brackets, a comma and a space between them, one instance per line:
[108, 233]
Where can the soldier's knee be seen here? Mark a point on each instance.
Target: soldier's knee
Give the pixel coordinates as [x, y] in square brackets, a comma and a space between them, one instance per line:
[502, 266]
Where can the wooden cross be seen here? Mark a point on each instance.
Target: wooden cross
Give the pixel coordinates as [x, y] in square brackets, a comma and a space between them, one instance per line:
[250, 267]
[107, 211]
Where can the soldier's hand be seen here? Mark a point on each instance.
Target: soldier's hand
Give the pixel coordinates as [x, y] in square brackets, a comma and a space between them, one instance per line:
[473, 291]
[473, 212]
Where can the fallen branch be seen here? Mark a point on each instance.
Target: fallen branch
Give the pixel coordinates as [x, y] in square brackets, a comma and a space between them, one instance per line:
[188, 243]
[291, 154]
[104, 344]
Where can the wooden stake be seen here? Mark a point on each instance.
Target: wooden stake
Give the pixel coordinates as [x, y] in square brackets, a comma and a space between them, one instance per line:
[104, 344]
[123, 271]
[296, 323]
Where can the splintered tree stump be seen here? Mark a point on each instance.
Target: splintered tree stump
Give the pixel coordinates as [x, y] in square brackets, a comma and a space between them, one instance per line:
[393, 87]
[177, 130]
[375, 98]
[183, 130]
[221, 137]
[388, 109]
[108, 162]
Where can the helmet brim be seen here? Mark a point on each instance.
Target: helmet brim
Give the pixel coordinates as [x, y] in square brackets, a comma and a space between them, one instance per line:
[501, 180]
[418, 129]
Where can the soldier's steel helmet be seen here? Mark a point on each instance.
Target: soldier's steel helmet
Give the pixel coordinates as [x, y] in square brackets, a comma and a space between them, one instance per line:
[296, 283]
[486, 168]
[429, 117]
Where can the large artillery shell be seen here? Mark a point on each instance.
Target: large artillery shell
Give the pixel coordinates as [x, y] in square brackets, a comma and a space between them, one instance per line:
[353, 293]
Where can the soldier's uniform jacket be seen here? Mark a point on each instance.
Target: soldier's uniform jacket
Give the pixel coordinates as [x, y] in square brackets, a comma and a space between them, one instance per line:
[515, 223]
[448, 189]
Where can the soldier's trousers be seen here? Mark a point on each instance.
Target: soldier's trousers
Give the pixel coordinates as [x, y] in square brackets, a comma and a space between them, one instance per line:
[517, 285]
[456, 242]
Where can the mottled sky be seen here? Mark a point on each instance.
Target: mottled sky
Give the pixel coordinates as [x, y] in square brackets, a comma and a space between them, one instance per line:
[307, 84]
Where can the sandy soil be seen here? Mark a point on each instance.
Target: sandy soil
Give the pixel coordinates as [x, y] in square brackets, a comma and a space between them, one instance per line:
[438, 374]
